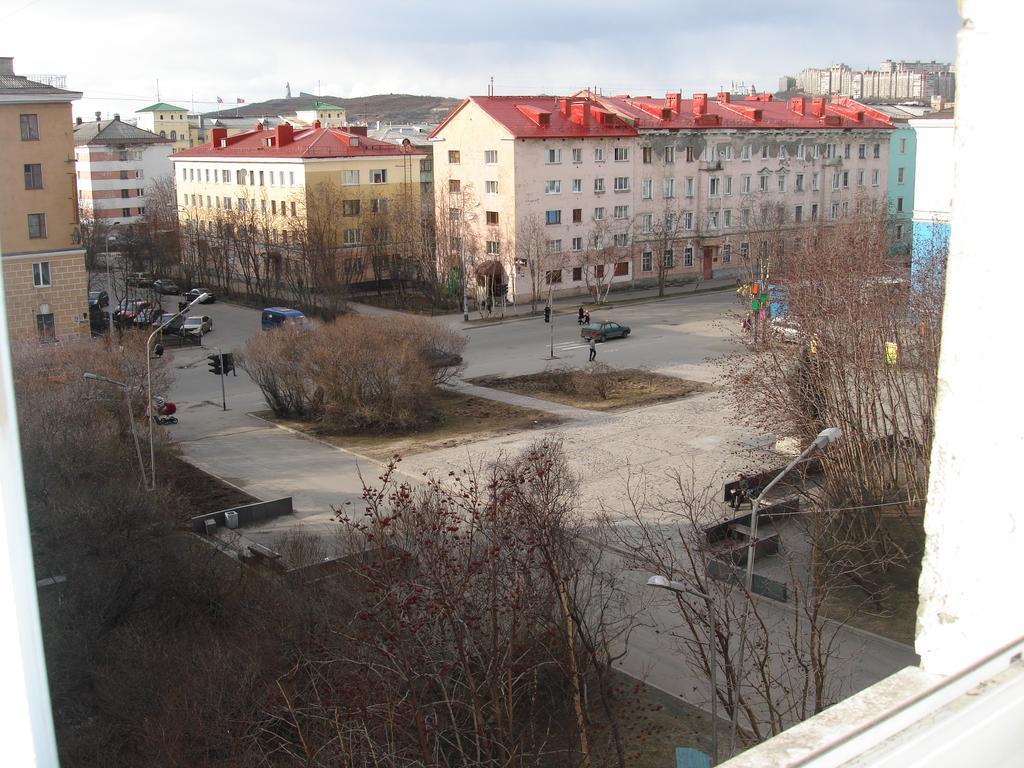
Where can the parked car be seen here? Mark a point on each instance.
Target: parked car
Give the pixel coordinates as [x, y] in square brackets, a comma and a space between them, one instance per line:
[149, 316]
[166, 287]
[439, 358]
[275, 317]
[197, 325]
[602, 330]
[99, 299]
[139, 279]
[195, 293]
[172, 327]
[128, 309]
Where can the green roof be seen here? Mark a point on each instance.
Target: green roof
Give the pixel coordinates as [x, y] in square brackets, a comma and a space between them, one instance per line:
[323, 105]
[162, 107]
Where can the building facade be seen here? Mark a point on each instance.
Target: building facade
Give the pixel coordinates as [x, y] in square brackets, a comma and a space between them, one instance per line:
[275, 181]
[892, 81]
[44, 279]
[117, 165]
[933, 198]
[562, 196]
[168, 122]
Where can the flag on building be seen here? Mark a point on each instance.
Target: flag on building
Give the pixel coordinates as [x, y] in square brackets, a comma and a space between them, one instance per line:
[240, 101]
[220, 100]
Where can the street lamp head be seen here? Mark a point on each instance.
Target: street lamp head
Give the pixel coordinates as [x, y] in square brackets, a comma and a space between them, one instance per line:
[657, 581]
[90, 376]
[201, 297]
[827, 436]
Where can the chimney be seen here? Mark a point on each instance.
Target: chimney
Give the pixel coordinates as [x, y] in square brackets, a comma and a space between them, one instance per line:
[563, 106]
[700, 104]
[673, 102]
[818, 107]
[7, 65]
[316, 124]
[78, 121]
[358, 130]
[724, 97]
[283, 134]
[98, 118]
[798, 105]
[581, 112]
[217, 136]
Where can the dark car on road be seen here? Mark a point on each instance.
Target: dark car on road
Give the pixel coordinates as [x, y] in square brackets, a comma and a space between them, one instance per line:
[195, 293]
[99, 299]
[139, 279]
[166, 287]
[172, 327]
[602, 330]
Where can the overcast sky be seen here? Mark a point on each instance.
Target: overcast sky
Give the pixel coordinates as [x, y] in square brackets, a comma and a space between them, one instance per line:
[199, 50]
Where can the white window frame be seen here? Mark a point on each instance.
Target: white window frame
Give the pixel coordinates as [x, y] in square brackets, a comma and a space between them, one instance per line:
[647, 189]
[490, 157]
[490, 187]
[349, 178]
[621, 183]
[41, 274]
[552, 156]
[553, 187]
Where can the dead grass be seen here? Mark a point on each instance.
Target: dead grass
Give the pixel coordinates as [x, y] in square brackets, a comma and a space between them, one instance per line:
[597, 389]
[893, 614]
[459, 420]
[201, 492]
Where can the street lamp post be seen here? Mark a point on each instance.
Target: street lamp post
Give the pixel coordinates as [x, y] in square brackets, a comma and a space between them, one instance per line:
[131, 417]
[826, 437]
[674, 586]
[110, 288]
[149, 383]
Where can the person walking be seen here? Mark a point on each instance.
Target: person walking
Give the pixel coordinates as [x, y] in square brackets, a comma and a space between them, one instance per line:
[581, 315]
[593, 349]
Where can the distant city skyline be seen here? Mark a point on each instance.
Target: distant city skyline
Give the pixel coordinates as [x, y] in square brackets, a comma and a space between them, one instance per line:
[201, 51]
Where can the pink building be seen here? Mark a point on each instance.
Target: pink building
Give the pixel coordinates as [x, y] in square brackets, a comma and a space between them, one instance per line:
[566, 195]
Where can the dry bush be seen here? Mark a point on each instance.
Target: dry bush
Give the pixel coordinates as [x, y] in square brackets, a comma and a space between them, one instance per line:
[357, 373]
[596, 381]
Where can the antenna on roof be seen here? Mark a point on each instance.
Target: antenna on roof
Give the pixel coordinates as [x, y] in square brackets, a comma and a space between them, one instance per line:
[158, 89]
[490, 87]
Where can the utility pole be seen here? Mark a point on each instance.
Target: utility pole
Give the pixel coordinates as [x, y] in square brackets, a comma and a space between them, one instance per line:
[223, 391]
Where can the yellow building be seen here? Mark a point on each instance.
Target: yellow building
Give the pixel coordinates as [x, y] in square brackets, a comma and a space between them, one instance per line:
[44, 279]
[168, 122]
[272, 178]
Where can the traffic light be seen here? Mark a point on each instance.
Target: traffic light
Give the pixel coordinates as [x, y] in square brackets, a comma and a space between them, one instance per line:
[215, 364]
[547, 314]
[229, 362]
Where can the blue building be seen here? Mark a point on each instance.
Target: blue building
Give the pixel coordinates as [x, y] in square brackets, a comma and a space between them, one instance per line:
[933, 193]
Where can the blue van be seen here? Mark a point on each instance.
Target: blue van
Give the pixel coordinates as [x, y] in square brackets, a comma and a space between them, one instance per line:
[275, 317]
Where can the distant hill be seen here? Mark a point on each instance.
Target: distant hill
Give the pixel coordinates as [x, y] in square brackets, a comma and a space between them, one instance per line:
[386, 107]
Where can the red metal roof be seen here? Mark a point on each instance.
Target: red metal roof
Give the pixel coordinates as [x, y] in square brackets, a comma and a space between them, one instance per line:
[760, 112]
[307, 143]
[540, 117]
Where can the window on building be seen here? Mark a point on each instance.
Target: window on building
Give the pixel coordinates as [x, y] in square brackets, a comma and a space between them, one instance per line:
[876, 151]
[833, 211]
[846, 179]
[598, 154]
[491, 217]
[763, 182]
[552, 217]
[744, 251]
[647, 261]
[125, 194]
[36, 225]
[553, 187]
[799, 182]
[669, 187]
[30, 127]
[620, 240]
[668, 259]
[454, 186]
[379, 176]
[846, 151]
[621, 269]
[745, 152]
[553, 156]
[745, 184]
[783, 153]
[815, 181]
[801, 152]
[622, 183]
[598, 185]
[903, 146]
[46, 327]
[798, 214]
[577, 154]
[726, 254]
[687, 221]
[577, 215]
[647, 154]
[727, 218]
[874, 177]
[554, 246]
[126, 212]
[350, 178]
[379, 205]
[491, 187]
[493, 248]
[41, 274]
[553, 276]
[712, 219]
[782, 182]
[862, 151]
[714, 186]
[814, 212]
[765, 152]
[228, 203]
[746, 216]
[350, 207]
[899, 205]
[646, 223]
[670, 154]
[599, 214]
[899, 231]
[353, 236]
[293, 209]
[688, 256]
[728, 185]
[647, 189]
[453, 157]
[577, 274]
[899, 175]
[577, 245]
[621, 154]
[163, 134]
[577, 185]
[830, 151]
[33, 176]
[273, 206]
[860, 177]
[836, 179]
[689, 186]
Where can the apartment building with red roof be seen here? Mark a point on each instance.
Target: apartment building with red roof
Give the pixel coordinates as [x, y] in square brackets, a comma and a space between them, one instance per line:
[564, 195]
[268, 178]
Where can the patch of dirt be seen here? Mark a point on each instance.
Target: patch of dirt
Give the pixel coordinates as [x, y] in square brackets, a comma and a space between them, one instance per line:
[893, 614]
[202, 492]
[597, 389]
[461, 419]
